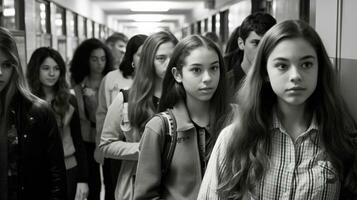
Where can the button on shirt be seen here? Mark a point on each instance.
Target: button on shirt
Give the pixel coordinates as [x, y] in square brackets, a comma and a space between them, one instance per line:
[299, 170]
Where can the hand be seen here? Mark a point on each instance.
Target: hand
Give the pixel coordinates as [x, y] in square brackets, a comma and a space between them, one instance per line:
[82, 191]
[98, 156]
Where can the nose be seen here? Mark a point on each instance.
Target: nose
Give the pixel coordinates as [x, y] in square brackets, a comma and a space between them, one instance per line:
[52, 72]
[295, 74]
[206, 76]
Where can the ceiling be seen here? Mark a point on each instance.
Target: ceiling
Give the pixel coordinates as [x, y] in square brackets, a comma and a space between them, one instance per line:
[132, 16]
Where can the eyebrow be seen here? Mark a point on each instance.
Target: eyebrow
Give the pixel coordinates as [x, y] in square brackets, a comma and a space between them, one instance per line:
[302, 58]
[199, 64]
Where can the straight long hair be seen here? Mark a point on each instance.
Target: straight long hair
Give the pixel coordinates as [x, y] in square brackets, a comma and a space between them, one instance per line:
[141, 105]
[60, 102]
[173, 92]
[246, 161]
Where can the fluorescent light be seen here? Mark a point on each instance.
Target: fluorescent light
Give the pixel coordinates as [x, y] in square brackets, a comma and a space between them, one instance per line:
[150, 7]
[148, 18]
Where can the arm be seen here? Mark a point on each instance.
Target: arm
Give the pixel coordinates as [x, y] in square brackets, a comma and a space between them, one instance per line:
[101, 110]
[112, 142]
[209, 184]
[148, 173]
[80, 153]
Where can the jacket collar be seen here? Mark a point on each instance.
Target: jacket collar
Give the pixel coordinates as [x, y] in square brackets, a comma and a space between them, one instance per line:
[183, 120]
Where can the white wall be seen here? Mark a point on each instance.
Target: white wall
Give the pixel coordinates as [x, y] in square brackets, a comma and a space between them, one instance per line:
[84, 8]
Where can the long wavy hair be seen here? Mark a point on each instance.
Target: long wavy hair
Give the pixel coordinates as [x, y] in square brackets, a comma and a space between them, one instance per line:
[80, 62]
[246, 161]
[17, 82]
[173, 92]
[60, 102]
[141, 105]
[131, 48]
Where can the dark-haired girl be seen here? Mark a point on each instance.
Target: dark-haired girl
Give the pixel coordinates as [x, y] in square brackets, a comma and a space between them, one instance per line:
[194, 90]
[91, 61]
[46, 75]
[292, 137]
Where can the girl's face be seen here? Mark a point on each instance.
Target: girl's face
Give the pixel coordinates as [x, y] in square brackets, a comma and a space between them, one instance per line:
[162, 58]
[6, 69]
[49, 72]
[292, 69]
[136, 57]
[200, 74]
[97, 61]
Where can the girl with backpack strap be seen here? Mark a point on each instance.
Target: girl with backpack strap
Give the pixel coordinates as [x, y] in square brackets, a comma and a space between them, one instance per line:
[125, 121]
[194, 92]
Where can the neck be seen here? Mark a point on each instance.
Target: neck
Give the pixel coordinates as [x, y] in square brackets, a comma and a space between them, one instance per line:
[158, 87]
[199, 111]
[95, 76]
[294, 119]
[245, 65]
[49, 93]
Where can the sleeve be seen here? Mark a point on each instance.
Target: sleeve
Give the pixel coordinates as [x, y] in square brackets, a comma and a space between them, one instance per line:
[209, 183]
[101, 110]
[112, 140]
[80, 153]
[54, 157]
[148, 173]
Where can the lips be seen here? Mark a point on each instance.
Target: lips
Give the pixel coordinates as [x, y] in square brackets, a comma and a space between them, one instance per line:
[206, 90]
[295, 90]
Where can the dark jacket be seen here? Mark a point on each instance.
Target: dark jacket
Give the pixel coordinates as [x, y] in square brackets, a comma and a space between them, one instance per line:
[41, 169]
[80, 153]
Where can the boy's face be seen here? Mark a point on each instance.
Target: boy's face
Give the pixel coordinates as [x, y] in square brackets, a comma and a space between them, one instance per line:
[249, 46]
[118, 50]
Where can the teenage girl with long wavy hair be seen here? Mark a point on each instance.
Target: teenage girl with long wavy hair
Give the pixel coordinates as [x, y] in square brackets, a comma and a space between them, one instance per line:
[46, 75]
[292, 137]
[194, 91]
[31, 153]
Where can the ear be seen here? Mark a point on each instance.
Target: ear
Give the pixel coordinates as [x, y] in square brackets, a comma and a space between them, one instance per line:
[240, 43]
[176, 74]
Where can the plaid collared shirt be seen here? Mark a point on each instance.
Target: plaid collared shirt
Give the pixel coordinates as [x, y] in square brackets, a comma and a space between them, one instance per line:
[299, 170]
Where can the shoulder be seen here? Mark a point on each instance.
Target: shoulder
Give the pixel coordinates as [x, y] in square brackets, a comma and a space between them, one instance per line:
[224, 137]
[155, 124]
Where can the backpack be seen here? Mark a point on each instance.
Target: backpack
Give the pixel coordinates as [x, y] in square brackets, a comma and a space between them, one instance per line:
[170, 130]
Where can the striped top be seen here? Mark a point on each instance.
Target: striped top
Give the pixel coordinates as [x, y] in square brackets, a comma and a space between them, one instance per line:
[299, 169]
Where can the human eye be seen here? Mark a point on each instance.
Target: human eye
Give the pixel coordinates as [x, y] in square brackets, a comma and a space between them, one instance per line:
[93, 59]
[255, 43]
[281, 66]
[57, 68]
[44, 67]
[307, 65]
[160, 58]
[196, 70]
[103, 59]
[6, 65]
[215, 68]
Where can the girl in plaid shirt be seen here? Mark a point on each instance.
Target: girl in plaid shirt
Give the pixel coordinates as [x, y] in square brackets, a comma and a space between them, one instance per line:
[292, 137]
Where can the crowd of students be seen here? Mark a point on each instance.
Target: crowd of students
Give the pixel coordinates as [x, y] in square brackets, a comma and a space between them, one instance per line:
[169, 119]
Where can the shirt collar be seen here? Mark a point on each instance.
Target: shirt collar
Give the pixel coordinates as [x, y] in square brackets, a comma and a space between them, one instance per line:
[277, 125]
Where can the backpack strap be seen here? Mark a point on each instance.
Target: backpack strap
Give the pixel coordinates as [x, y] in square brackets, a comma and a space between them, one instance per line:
[125, 94]
[125, 124]
[170, 139]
